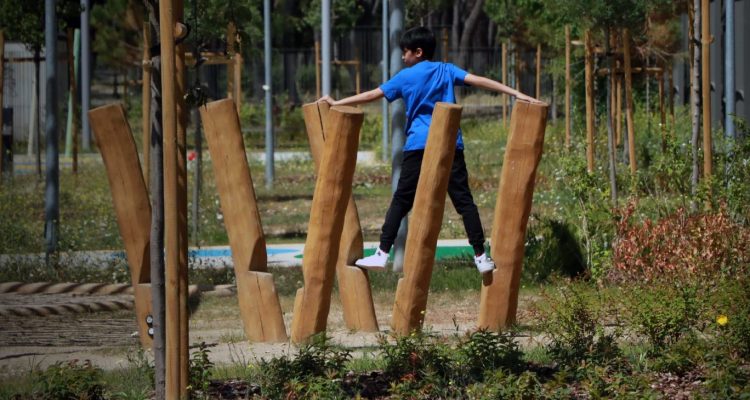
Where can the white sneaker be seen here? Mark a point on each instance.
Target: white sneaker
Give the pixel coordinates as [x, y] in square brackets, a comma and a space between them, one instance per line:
[484, 264]
[374, 262]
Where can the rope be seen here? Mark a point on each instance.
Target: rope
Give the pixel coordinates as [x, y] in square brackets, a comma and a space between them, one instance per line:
[61, 288]
[65, 308]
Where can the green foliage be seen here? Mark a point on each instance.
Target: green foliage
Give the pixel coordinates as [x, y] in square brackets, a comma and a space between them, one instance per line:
[200, 370]
[23, 20]
[732, 303]
[591, 211]
[316, 361]
[344, 15]
[71, 380]
[552, 248]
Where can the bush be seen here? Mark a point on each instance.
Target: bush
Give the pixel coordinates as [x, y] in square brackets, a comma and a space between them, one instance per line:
[485, 351]
[663, 315]
[416, 356]
[71, 380]
[577, 332]
[284, 377]
[551, 249]
[680, 247]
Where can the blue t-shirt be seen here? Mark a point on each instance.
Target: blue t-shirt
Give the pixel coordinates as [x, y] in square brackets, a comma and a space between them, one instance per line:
[421, 86]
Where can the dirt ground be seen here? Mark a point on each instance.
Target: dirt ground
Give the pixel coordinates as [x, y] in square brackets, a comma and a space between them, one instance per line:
[109, 338]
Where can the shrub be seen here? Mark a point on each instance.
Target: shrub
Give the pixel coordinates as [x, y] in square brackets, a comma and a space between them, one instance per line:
[663, 315]
[71, 380]
[416, 356]
[200, 370]
[577, 333]
[282, 376]
[679, 247]
[485, 350]
[551, 248]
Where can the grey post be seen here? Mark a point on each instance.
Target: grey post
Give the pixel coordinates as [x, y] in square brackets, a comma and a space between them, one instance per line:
[267, 88]
[729, 69]
[52, 184]
[398, 121]
[325, 47]
[85, 74]
[384, 68]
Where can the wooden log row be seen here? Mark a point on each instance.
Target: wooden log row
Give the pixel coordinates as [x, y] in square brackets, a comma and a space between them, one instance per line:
[258, 301]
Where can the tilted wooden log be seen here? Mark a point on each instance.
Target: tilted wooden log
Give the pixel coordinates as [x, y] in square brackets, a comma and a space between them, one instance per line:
[426, 219]
[354, 283]
[333, 191]
[259, 303]
[499, 299]
[130, 197]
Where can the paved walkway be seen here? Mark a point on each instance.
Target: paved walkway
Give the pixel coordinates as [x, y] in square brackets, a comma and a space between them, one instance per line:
[279, 255]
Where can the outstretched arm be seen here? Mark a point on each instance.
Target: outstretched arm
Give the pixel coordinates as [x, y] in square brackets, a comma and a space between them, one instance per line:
[495, 86]
[365, 97]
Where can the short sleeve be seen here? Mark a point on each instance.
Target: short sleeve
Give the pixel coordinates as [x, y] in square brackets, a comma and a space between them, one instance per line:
[392, 89]
[458, 75]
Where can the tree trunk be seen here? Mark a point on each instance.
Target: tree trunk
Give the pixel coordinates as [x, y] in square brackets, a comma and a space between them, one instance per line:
[610, 128]
[695, 94]
[467, 32]
[157, 212]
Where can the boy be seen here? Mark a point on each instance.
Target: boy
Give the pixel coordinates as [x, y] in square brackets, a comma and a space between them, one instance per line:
[422, 84]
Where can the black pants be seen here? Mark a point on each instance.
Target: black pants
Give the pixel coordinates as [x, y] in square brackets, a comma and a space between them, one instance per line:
[458, 190]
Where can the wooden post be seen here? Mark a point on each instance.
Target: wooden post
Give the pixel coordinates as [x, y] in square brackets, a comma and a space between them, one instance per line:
[171, 212]
[333, 189]
[131, 202]
[146, 102]
[706, 40]
[259, 303]
[504, 58]
[662, 113]
[317, 68]
[629, 98]
[539, 71]
[354, 283]
[590, 110]
[237, 76]
[567, 86]
[499, 298]
[426, 218]
[182, 209]
[618, 108]
[613, 74]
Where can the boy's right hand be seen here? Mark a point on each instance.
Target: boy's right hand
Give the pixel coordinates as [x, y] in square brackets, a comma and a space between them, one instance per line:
[327, 99]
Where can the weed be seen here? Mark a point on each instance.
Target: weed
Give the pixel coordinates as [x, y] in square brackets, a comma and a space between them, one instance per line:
[200, 370]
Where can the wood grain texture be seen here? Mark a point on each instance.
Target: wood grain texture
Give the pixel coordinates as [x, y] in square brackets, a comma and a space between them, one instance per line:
[333, 190]
[426, 218]
[130, 198]
[258, 300]
[499, 297]
[354, 282]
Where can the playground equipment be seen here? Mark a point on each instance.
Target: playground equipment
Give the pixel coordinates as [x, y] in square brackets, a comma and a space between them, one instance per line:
[499, 298]
[330, 200]
[354, 283]
[132, 206]
[427, 216]
[259, 303]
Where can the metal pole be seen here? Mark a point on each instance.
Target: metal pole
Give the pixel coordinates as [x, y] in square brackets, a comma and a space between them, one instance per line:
[384, 37]
[325, 30]
[398, 121]
[729, 68]
[267, 88]
[52, 184]
[85, 74]
[706, 88]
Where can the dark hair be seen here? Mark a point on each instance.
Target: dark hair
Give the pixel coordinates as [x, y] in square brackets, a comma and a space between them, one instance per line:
[419, 38]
